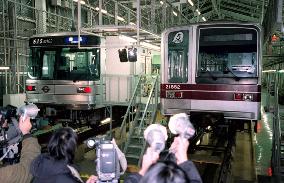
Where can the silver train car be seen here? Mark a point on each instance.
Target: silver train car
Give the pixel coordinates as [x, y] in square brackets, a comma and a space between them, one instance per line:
[61, 74]
[212, 68]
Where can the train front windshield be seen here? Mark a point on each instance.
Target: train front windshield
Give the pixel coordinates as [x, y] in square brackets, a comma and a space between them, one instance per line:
[64, 63]
[227, 53]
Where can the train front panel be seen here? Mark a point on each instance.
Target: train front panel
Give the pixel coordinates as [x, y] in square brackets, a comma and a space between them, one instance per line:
[212, 68]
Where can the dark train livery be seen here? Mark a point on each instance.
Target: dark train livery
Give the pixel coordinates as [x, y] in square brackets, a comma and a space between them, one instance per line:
[212, 68]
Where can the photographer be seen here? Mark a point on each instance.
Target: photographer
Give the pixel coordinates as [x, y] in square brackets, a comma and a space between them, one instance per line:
[152, 169]
[175, 167]
[30, 149]
[56, 166]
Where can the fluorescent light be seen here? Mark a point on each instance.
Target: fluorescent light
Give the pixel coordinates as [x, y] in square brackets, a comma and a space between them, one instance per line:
[127, 38]
[4, 68]
[105, 121]
[204, 19]
[120, 18]
[198, 142]
[81, 1]
[161, 2]
[175, 13]
[269, 71]
[281, 71]
[190, 2]
[198, 11]
[103, 11]
[148, 45]
[131, 23]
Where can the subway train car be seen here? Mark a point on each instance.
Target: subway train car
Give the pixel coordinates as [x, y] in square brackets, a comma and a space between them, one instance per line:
[212, 68]
[63, 77]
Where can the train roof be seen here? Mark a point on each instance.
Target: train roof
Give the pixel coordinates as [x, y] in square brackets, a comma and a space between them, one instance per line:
[55, 34]
[216, 23]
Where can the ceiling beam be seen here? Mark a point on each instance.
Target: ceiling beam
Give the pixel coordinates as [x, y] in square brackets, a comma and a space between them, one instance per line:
[238, 16]
[241, 11]
[216, 9]
[258, 7]
[207, 15]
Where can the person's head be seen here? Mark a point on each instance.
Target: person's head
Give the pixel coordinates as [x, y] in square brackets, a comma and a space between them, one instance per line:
[165, 172]
[62, 145]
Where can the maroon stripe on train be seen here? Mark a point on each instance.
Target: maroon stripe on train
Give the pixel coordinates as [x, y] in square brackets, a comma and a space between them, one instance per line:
[211, 87]
[197, 95]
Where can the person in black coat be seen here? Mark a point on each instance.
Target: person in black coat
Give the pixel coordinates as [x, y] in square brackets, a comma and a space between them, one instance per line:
[180, 171]
[56, 165]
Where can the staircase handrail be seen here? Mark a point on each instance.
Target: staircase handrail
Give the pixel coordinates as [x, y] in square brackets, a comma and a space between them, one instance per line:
[147, 104]
[133, 98]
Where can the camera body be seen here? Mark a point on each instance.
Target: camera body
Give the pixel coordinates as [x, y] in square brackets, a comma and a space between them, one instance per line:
[7, 113]
[107, 163]
[10, 133]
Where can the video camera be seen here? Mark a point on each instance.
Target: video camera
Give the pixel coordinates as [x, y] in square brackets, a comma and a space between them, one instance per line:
[6, 113]
[10, 133]
[107, 162]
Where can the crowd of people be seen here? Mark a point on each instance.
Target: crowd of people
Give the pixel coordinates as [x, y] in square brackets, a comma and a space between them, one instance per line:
[56, 166]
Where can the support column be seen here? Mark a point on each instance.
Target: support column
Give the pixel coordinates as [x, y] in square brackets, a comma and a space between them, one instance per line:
[40, 5]
[153, 16]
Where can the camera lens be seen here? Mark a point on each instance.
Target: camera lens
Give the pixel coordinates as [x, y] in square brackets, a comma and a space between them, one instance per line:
[91, 143]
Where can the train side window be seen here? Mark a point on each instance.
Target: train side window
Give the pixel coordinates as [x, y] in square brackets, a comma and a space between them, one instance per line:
[178, 57]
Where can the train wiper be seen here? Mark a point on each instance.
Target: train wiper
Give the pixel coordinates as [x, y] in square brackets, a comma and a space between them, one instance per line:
[227, 70]
[210, 73]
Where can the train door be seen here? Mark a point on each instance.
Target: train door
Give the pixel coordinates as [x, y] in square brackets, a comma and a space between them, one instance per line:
[176, 69]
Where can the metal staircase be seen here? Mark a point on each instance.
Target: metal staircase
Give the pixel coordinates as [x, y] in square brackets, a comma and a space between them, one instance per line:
[141, 112]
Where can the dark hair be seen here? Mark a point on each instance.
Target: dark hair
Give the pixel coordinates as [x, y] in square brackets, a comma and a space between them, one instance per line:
[62, 145]
[165, 172]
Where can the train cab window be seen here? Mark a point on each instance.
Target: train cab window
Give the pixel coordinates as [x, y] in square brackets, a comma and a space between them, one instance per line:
[178, 57]
[34, 64]
[48, 64]
[64, 63]
[226, 55]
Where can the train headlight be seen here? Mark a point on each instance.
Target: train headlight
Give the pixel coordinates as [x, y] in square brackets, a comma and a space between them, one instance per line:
[243, 96]
[247, 97]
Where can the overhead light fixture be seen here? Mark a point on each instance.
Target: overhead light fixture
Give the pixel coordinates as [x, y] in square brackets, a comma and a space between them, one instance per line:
[161, 2]
[148, 45]
[4, 68]
[120, 18]
[131, 23]
[175, 13]
[81, 1]
[204, 19]
[127, 38]
[198, 11]
[103, 11]
[190, 2]
[269, 71]
[105, 121]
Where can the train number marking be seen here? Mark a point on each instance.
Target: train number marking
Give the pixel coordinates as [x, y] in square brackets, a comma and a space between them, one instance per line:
[172, 87]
